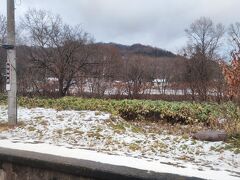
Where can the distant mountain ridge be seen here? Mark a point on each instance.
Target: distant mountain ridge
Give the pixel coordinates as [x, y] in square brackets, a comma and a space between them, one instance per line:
[140, 49]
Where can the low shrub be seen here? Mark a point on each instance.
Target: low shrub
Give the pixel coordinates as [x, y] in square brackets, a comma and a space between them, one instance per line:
[173, 112]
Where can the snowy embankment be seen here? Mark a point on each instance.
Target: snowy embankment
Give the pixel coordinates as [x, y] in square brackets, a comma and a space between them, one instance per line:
[104, 138]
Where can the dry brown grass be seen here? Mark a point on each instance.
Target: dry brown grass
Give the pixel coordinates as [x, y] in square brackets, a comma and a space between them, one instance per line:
[168, 128]
[4, 127]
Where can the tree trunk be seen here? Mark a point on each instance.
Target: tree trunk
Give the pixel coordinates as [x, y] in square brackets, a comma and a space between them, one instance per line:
[61, 88]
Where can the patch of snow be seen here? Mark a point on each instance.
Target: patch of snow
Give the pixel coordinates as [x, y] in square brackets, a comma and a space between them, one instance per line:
[97, 131]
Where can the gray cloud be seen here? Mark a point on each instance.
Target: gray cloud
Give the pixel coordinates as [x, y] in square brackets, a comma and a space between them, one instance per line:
[155, 22]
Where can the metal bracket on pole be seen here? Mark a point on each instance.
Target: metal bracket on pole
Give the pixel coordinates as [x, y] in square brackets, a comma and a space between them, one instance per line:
[7, 46]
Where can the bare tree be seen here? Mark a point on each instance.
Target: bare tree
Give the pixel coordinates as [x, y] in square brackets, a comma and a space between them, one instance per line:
[3, 29]
[204, 36]
[58, 50]
[204, 40]
[105, 71]
[234, 34]
[138, 72]
[3, 33]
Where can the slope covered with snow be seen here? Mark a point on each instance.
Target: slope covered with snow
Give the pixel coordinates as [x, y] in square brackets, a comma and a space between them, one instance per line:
[110, 139]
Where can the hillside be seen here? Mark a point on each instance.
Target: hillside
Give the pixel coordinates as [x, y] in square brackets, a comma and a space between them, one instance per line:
[140, 50]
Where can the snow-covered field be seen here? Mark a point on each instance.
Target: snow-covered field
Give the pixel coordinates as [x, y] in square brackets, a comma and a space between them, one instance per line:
[104, 135]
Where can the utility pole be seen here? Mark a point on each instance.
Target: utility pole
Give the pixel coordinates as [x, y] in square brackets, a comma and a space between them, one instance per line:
[11, 60]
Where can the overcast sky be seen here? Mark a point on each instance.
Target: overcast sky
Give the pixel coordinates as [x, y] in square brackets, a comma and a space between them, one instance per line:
[159, 23]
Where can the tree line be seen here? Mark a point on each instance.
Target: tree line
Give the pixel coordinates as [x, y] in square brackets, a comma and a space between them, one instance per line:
[56, 59]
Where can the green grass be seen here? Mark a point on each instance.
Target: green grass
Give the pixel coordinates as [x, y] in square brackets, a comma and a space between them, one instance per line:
[135, 110]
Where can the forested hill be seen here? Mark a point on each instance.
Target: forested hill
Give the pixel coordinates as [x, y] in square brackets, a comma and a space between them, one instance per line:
[141, 50]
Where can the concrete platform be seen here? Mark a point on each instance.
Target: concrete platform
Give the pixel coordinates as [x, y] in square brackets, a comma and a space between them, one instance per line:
[18, 165]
